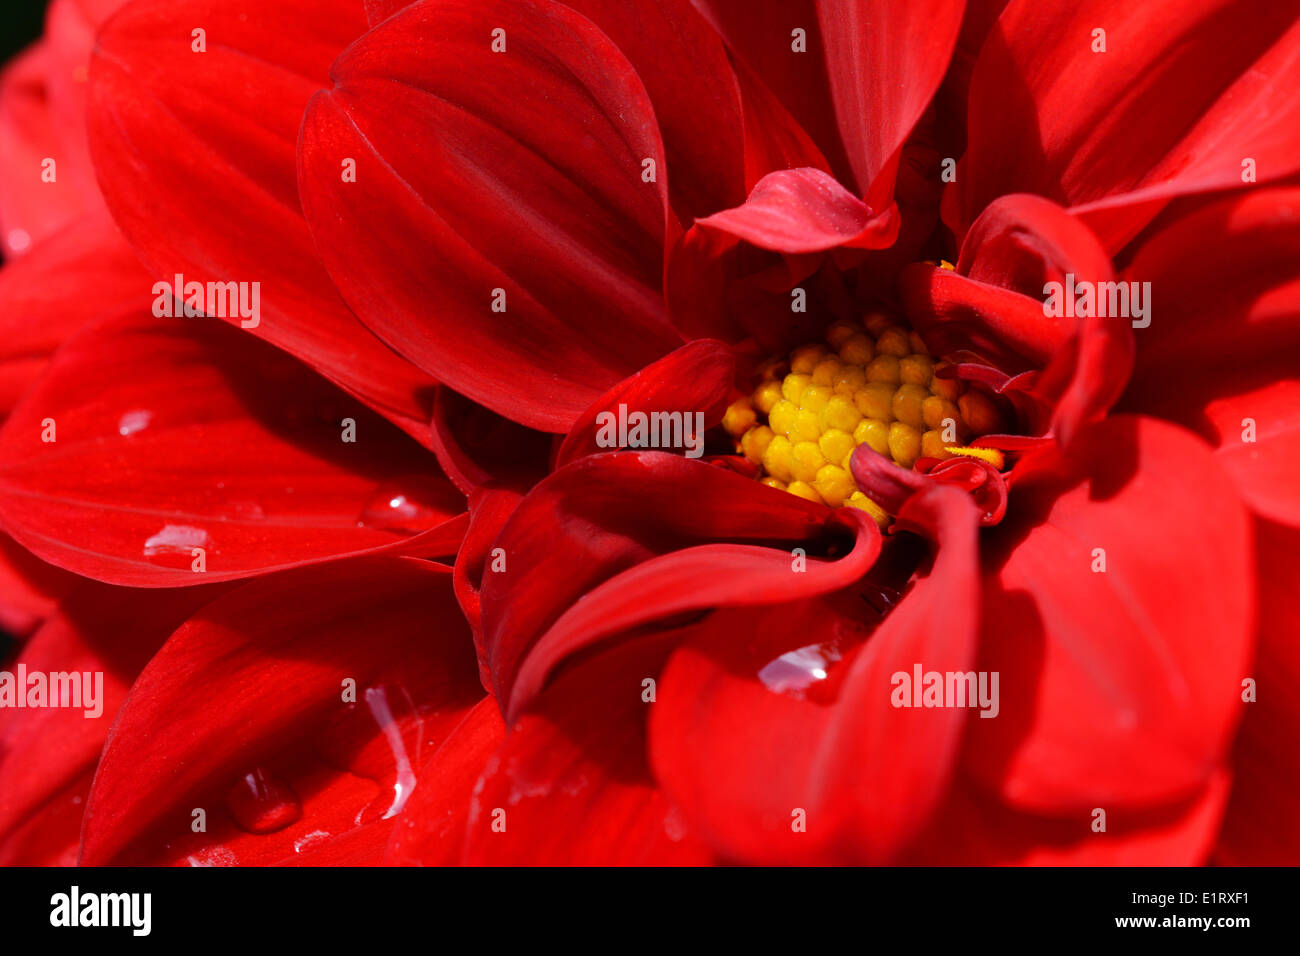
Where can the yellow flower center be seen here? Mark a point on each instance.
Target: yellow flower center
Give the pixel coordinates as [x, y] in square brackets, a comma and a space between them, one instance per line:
[872, 383]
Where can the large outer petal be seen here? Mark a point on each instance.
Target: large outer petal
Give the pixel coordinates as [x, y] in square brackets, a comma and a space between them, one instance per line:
[885, 61]
[173, 434]
[1183, 94]
[696, 97]
[1223, 348]
[1263, 818]
[1118, 686]
[759, 35]
[460, 192]
[973, 828]
[258, 679]
[570, 783]
[31, 208]
[759, 718]
[47, 753]
[195, 153]
[431, 829]
[83, 272]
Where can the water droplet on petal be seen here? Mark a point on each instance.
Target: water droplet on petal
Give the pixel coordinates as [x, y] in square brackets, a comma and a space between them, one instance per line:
[134, 421]
[794, 672]
[18, 240]
[406, 505]
[350, 743]
[310, 840]
[213, 856]
[171, 546]
[261, 803]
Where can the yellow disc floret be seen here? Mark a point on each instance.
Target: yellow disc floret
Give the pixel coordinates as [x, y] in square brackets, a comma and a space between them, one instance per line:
[873, 383]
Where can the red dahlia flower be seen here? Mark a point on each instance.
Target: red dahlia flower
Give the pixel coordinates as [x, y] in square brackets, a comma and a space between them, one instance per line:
[483, 232]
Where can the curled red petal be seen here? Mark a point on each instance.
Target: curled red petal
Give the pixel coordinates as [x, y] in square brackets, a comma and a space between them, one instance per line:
[698, 377]
[604, 514]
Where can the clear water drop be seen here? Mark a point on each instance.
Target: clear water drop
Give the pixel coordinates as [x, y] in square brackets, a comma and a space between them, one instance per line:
[262, 803]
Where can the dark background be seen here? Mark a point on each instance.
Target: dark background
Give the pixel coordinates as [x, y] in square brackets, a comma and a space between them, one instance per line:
[20, 24]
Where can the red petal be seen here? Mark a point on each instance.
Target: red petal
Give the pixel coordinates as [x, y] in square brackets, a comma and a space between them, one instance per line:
[774, 140]
[749, 727]
[760, 35]
[974, 829]
[697, 377]
[1223, 349]
[31, 208]
[1263, 820]
[204, 143]
[1184, 92]
[45, 752]
[1135, 702]
[606, 513]
[803, 210]
[570, 784]
[696, 97]
[377, 11]
[431, 830]
[70, 30]
[553, 200]
[475, 446]
[257, 681]
[1018, 245]
[175, 435]
[489, 507]
[30, 589]
[885, 60]
[1264, 468]
[690, 579]
[82, 272]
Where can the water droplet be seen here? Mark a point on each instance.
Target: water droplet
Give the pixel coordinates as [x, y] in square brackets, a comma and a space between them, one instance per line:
[406, 505]
[310, 840]
[18, 240]
[213, 856]
[261, 803]
[794, 672]
[171, 546]
[389, 759]
[134, 421]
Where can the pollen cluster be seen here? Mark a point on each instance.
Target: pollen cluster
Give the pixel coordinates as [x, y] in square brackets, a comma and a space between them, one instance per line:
[872, 383]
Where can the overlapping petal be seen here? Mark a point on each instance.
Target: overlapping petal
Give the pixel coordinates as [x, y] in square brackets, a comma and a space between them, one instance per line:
[195, 152]
[777, 730]
[570, 783]
[1181, 97]
[103, 636]
[150, 438]
[515, 254]
[606, 514]
[83, 272]
[1120, 679]
[295, 712]
[1222, 353]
